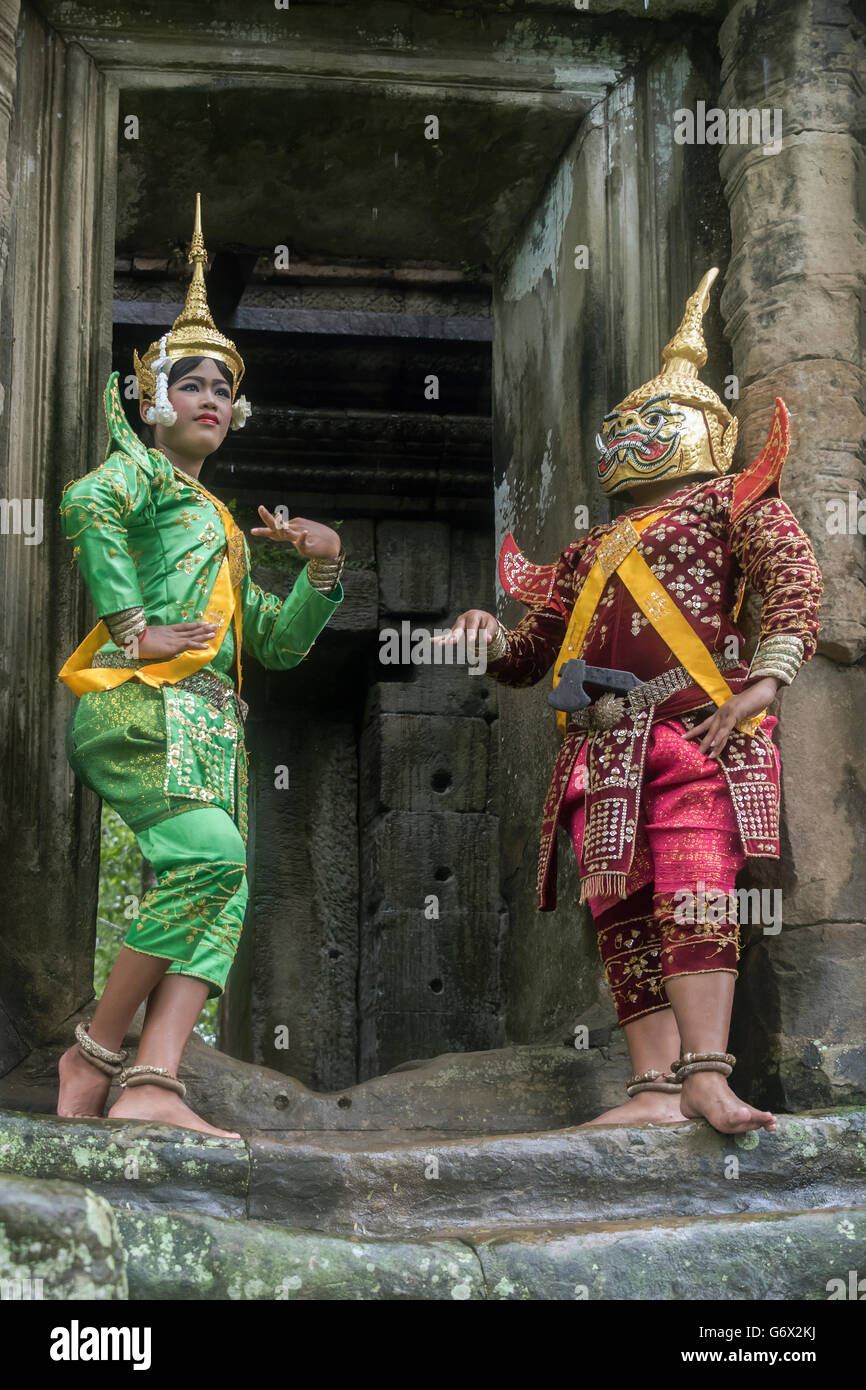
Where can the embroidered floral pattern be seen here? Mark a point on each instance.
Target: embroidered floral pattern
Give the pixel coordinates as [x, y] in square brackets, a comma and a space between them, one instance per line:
[700, 557]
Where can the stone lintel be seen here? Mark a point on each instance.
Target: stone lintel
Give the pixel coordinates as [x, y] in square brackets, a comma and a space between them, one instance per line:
[346, 323]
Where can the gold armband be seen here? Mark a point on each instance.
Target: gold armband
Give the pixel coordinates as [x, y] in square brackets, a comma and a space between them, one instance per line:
[777, 655]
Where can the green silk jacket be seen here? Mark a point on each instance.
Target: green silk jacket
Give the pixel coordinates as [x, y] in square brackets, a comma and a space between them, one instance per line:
[146, 534]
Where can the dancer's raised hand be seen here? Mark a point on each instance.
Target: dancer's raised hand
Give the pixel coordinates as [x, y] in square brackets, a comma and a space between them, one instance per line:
[311, 539]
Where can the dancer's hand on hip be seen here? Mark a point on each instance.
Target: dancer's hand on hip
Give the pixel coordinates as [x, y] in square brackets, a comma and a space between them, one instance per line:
[174, 638]
[715, 731]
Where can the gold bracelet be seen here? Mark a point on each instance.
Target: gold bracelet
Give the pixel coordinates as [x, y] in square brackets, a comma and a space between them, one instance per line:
[779, 655]
[498, 644]
[324, 574]
[125, 625]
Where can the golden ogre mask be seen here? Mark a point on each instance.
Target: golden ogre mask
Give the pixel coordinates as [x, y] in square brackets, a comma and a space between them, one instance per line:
[673, 425]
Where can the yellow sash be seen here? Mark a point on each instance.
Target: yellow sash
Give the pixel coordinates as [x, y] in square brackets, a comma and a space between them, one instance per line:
[224, 603]
[617, 555]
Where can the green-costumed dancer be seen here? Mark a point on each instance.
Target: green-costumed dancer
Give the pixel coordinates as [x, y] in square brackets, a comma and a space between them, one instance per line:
[157, 730]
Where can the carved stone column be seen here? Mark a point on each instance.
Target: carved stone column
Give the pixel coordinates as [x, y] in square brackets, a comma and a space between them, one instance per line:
[55, 339]
[793, 300]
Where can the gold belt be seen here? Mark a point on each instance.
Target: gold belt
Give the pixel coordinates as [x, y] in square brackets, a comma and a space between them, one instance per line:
[609, 709]
[209, 684]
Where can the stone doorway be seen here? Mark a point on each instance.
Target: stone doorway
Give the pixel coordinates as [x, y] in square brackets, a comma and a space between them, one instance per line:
[554, 134]
[375, 930]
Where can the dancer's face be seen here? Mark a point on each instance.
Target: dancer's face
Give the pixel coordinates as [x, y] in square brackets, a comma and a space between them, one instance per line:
[202, 401]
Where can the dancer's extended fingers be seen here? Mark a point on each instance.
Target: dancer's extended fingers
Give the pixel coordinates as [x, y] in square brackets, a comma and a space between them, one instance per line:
[712, 734]
[453, 634]
[710, 743]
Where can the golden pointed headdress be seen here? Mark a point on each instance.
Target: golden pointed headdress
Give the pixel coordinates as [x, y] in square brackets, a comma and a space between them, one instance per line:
[683, 356]
[193, 333]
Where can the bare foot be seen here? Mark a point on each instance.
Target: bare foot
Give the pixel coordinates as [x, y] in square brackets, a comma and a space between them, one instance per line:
[646, 1108]
[706, 1095]
[83, 1088]
[163, 1107]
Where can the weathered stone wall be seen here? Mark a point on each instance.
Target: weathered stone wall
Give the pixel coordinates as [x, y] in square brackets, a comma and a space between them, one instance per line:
[53, 359]
[569, 343]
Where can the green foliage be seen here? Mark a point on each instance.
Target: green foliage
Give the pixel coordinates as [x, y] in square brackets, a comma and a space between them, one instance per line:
[120, 865]
[279, 555]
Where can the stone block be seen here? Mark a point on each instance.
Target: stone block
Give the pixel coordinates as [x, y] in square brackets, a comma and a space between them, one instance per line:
[434, 689]
[799, 1030]
[358, 535]
[823, 869]
[792, 285]
[180, 1256]
[413, 560]
[423, 763]
[405, 857]
[473, 571]
[797, 1255]
[431, 937]
[382, 1185]
[444, 965]
[815, 54]
[58, 1240]
[147, 1166]
[302, 922]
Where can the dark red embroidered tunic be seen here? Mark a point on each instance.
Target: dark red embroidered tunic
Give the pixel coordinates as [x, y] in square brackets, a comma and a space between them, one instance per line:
[714, 537]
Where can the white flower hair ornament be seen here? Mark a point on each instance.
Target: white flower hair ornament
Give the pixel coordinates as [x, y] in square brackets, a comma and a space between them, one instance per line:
[241, 412]
[162, 412]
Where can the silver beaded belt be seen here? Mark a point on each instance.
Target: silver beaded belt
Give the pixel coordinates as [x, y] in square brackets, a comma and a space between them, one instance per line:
[609, 709]
[205, 683]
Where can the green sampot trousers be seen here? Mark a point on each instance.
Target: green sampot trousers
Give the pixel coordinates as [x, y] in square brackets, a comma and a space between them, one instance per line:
[116, 745]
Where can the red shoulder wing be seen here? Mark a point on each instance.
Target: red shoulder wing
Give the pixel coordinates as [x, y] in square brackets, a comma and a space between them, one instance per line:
[533, 585]
[763, 475]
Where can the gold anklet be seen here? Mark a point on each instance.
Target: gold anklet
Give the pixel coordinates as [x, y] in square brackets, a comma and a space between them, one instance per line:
[106, 1061]
[152, 1076]
[653, 1081]
[691, 1062]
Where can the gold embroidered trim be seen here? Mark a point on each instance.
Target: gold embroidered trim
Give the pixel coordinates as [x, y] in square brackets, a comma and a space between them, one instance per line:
[237, 555]
[614, 548]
